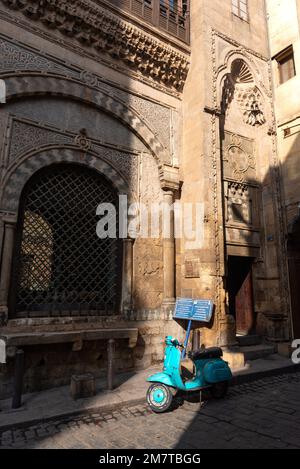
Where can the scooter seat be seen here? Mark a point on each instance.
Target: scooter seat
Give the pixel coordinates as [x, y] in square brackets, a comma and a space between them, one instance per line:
[202, 354]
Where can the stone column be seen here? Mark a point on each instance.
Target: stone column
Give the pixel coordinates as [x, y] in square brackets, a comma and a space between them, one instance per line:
[1, 236]
[169, 254]
[127, 277]
[170, 184]
[7, 255]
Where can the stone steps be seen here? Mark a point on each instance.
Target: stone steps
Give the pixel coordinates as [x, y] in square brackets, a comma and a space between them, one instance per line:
[255, 352]
[248, 340]
[241, 355]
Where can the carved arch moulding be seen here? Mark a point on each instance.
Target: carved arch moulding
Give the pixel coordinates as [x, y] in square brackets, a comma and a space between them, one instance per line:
[21, 172]
[26, 137]
[226, 50]
[17, 59]
[31, 85]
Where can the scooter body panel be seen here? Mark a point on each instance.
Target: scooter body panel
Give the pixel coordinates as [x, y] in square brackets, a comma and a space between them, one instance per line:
[162, 378]
[171, 371]
[216, 371]
[207, 371]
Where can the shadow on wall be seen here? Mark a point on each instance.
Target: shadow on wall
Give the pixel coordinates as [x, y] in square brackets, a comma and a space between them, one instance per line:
[194, 435]
[273, 238]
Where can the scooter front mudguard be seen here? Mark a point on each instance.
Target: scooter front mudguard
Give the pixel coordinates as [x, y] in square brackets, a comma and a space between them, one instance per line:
[162, 378]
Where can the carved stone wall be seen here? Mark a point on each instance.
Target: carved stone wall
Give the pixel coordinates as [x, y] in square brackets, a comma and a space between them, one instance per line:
[239, 158]
[26, 137]
[16, 58]
[85, 87]
[250, 172]
[148, 253]
[235, 162]
[97, 28]
[19, 59]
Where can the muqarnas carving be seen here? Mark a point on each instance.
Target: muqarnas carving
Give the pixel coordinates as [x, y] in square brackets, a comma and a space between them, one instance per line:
[240, 84]
[95, 27]
[250, 101]
[239, 204]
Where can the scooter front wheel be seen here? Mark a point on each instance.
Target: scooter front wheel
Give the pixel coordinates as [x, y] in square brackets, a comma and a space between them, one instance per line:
[159, 398]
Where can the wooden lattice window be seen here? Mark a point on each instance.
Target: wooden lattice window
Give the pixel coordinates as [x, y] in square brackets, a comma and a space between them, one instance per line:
[286, 65]
[240, 9]
[175, 6]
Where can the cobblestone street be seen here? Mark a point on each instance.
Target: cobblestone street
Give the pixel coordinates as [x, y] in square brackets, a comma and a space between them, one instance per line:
[262, 414]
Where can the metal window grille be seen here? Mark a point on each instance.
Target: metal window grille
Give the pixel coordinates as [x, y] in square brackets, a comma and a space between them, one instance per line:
[61, 267]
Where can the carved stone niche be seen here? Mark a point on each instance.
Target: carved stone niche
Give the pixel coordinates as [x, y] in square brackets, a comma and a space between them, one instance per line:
[239, 204]
[240, 88]
[241, 215]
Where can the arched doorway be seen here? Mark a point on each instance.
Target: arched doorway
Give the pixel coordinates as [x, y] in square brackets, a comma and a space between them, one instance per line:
[60, 265]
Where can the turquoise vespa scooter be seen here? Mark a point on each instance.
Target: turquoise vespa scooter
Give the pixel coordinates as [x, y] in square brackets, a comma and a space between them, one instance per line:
[210, 370]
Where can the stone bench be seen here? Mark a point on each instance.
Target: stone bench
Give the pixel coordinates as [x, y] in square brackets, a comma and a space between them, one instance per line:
[15, 341]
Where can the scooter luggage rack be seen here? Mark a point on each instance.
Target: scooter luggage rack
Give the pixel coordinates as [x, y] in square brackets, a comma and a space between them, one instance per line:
[192, 310]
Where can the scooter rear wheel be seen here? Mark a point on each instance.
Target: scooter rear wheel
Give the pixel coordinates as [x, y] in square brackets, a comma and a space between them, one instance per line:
[159, 398]
[219, 390]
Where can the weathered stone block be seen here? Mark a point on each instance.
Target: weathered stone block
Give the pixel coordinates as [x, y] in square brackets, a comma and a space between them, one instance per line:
[236, 359]
[285, 349]
[157, 340]
[143, 362]
[83, 386]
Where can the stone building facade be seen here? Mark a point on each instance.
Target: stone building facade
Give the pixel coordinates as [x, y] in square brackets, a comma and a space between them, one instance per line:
[93, 110]
[113, 97]
[230, 130]
[284, 27]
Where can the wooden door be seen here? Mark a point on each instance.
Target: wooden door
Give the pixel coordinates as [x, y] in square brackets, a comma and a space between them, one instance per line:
[244, 307]
[294, 269]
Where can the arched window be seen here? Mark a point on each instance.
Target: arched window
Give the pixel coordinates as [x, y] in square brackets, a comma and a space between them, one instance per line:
[60, 266]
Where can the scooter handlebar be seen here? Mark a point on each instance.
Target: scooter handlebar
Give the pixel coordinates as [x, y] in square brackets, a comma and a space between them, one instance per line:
[177, 344]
